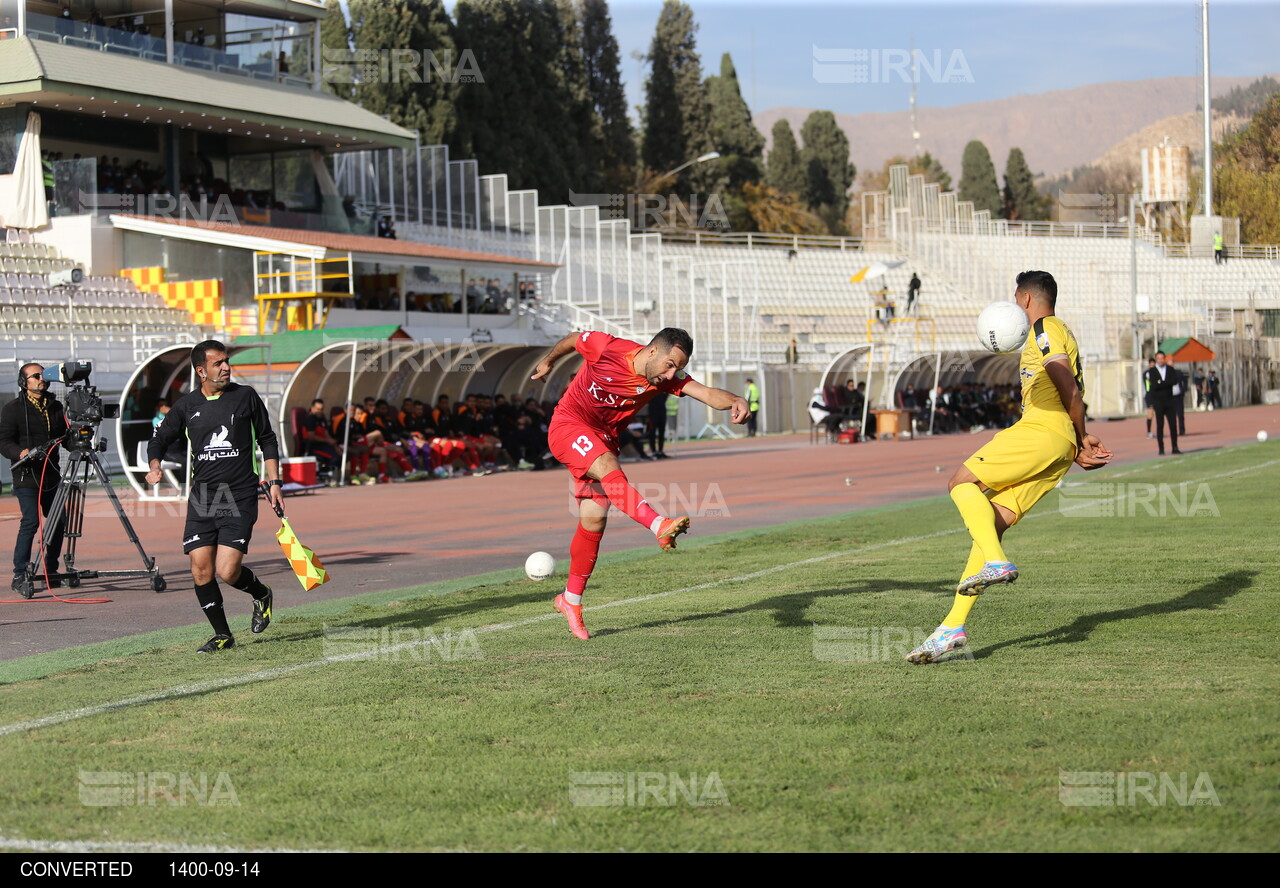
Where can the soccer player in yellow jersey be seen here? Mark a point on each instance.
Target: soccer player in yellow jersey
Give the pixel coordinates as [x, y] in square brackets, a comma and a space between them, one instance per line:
[1000, 483]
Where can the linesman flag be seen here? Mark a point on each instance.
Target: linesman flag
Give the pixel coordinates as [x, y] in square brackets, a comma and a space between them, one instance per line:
[305, 564]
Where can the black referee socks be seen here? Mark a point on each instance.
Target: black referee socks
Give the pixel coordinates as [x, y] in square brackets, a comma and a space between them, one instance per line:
[210, 598]
[247, 582]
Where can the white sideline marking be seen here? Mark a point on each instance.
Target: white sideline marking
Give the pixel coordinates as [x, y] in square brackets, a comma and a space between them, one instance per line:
[264, 674]
[74, 847]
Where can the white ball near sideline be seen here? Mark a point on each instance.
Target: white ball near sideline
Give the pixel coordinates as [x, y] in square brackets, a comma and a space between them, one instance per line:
[539, 566]
[1262, 436]
[1003, 327]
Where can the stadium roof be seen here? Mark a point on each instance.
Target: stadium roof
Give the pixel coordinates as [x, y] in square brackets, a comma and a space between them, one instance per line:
[319, 244]
[78, 80]
[1187, 350]
[297, 345]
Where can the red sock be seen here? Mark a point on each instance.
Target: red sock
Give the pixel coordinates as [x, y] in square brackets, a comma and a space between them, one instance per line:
[361, 463]
[627, 499]
[403, 462]
[382, 467]
[583, 552]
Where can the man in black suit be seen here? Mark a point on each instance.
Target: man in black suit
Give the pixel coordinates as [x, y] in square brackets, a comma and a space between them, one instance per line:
[1162, 382]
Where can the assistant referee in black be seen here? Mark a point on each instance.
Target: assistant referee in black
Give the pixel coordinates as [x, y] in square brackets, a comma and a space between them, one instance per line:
[225, 423]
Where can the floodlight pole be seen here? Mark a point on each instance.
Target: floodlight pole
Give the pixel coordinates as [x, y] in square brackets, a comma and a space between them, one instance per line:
[1133, 301]
[1208, 110]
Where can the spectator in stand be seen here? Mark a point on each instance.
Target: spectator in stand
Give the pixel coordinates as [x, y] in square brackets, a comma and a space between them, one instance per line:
[913, 290]
[318, 441]
[406, 411]
[386, 226]
[940, 405]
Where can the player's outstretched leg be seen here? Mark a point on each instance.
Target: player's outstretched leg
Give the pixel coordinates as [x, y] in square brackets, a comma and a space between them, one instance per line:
[261, 592]
[628, 501]
[980, 518]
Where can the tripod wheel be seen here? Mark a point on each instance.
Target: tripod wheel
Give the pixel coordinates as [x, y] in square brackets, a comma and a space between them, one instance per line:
[158, 584]
[73, 582]
[24, 587]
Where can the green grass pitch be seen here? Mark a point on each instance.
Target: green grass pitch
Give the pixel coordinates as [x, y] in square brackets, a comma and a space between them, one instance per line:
[762, 705]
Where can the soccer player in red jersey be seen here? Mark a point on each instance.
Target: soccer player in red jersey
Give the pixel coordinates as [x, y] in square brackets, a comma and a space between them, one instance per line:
[617, 378]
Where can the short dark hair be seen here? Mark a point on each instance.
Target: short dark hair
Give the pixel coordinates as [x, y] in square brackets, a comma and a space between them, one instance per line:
[1042, 284]
[673, 337]
[201, 349]
[1161, 353]
[319, 401]
[22, 371]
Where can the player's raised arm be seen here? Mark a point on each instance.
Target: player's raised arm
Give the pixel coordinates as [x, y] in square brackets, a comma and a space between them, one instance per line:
[558, 351]
[719, 399]
[1092, 454]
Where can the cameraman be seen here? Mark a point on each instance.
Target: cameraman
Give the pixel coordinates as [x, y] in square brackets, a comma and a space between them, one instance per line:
[29, 420]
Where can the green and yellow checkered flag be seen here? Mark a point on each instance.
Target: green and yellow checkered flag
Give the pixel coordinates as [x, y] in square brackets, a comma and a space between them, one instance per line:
[305, 564]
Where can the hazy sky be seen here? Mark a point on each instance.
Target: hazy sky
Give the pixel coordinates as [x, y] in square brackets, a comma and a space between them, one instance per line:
[993, 49]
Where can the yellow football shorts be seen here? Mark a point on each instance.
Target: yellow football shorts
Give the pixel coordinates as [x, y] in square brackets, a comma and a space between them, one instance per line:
[1021, 464]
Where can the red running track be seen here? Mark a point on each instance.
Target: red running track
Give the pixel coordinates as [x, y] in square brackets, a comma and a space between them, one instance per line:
[399, 535]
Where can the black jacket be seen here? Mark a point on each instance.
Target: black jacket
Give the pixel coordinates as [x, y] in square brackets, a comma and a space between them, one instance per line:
[1162, 391]
[22, 427]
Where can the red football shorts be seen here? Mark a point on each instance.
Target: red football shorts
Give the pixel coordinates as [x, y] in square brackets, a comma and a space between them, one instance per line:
[577, 447]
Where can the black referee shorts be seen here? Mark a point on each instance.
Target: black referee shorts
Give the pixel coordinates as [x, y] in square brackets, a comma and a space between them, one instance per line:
[219, 517]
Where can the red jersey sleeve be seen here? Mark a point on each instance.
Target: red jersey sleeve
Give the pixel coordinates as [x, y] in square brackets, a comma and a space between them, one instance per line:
[591, 344]
[676, 385]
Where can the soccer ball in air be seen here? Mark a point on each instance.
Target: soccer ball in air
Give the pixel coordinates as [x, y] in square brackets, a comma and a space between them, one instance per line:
[539, 566]
[1262, 435]
[1002, 327]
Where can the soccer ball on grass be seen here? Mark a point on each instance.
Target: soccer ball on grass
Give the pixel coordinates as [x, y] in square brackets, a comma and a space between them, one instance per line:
[539, 566]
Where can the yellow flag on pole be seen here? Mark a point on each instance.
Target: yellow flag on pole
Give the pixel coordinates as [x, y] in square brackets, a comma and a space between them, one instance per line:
[305, 564]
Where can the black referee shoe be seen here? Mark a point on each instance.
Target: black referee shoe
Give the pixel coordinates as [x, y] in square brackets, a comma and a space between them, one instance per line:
[261, 612]
[215, 644]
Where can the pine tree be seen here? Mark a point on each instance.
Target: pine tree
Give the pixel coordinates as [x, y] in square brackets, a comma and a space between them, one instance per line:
[676, 114]
[602, 61]
[733, 133]
[978, 179]
[534, 118]
[438, 92]
[384, 86]
[335, 35]
[785, 174]
[827, 170]
[1021, 199]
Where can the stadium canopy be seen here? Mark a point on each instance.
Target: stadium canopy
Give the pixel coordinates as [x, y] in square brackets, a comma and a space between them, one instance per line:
[323, 244]
[348, 370]
[269, 116]
[1186, 351]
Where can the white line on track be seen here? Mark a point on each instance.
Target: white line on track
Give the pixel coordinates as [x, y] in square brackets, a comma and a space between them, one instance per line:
[279, 671]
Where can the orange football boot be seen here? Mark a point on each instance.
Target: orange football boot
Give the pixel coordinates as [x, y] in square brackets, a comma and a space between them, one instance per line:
[669, 529]
[573, 613]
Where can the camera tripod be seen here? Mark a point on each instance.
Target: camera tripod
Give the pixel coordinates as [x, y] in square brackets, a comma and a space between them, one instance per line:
[69, 502]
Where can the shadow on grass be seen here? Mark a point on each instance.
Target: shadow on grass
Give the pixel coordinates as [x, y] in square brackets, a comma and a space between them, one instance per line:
[1207, 597]
[428, 612]
[789, 611]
